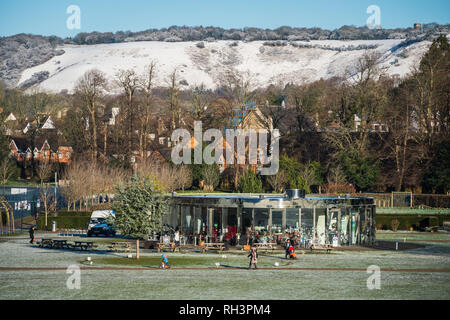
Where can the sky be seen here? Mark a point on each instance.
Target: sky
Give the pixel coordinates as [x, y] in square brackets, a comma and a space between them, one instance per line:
[49, 17]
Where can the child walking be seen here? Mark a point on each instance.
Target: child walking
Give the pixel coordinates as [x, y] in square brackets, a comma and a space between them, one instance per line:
[165, 262]
[253, 258]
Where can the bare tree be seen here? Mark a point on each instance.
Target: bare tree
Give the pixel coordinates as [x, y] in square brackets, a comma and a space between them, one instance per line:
[44, 171]
[278, 181]
[173, 100]
[237, 89]
[146, 85]
[200, 100]
[6, 170]
[167, 178]
[211, 177]
[336, 176]
[128, 80]
[90, 87]
[46, 195]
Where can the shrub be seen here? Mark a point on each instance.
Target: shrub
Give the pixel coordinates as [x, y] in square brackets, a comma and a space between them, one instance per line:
[73, 213]
[250, 183]
[64, 222]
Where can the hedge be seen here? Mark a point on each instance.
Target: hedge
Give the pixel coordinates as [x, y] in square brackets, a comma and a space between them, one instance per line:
[64, 222]
[408, 221]
[73, 213]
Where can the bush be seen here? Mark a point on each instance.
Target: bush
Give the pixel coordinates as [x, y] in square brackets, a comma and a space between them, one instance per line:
[250, 183]
[101, 206]
[64, 222]
[72, 213]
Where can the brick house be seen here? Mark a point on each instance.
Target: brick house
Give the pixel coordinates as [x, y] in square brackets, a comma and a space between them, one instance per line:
[47, 148]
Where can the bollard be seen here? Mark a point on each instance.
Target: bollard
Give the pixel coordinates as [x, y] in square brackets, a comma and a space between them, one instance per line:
[54, 226]
[396, 245]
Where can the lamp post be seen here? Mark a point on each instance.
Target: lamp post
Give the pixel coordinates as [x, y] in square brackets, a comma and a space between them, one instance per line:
[56, 181]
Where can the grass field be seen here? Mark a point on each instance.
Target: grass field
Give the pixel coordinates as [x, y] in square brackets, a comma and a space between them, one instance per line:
[28, 272]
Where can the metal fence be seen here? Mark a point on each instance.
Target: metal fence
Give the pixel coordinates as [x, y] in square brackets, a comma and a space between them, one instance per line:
[25, 200]
[408, 200]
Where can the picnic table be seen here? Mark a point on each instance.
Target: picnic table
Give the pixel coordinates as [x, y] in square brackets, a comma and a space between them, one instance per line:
[61, 244]
[167, 245]
[84, 245]
[46, 243]
[213, 246]
[120, 246]
[265, 246]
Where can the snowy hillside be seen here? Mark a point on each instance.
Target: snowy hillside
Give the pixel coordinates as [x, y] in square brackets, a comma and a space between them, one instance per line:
[266, 62]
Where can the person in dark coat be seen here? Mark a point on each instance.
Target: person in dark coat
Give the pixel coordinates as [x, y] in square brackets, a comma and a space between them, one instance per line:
[31, 234]
[286, 247]
[253, 258]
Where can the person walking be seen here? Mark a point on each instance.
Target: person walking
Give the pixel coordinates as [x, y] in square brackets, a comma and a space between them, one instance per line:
[32, 234]
[287, 244]
[177, 238]
[164, 262]
[253, 258]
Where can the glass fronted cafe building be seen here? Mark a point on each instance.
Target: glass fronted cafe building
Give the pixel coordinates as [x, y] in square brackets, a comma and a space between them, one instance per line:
[346, 220]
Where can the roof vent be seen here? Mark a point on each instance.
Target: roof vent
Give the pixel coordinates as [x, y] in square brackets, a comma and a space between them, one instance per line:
[295, 193]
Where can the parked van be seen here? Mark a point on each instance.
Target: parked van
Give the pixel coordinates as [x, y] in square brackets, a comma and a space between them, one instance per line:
[98, 223]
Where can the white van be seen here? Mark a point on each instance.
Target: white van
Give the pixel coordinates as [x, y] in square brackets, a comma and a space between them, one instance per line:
[100, 217]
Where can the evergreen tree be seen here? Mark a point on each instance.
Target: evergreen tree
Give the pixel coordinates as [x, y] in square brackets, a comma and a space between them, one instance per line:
[250, 183]
[360, 171]
[139, 207]
[437, 179]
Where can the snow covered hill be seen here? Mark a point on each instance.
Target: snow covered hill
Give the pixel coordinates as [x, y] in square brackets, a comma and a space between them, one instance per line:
[266, 62]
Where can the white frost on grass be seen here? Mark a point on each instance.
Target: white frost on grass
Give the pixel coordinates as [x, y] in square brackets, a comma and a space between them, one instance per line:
[223, 283]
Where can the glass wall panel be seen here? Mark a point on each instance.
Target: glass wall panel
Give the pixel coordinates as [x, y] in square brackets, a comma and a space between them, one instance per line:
[277, 220]
[292, 219]
[332, 226]
[261, 220]
[354, 226]
[187, 221]
[344, 227]
[246, 221]
[321, 231]
[230, 220]
[307, 223]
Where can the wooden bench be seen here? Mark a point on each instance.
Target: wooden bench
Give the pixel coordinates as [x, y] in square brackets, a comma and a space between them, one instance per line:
[84, 245]
[321, 247]
[265, 246]
[213, 246]
[171, 246]
[120, 246]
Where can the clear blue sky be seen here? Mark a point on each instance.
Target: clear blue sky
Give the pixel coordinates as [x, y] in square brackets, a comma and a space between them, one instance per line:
[48, 17]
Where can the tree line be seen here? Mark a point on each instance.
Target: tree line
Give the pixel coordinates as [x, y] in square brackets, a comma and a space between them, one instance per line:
[364, 131]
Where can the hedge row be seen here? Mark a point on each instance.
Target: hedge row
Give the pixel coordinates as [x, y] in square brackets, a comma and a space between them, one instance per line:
[407, 221]
[64, 222]
[74, 213]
